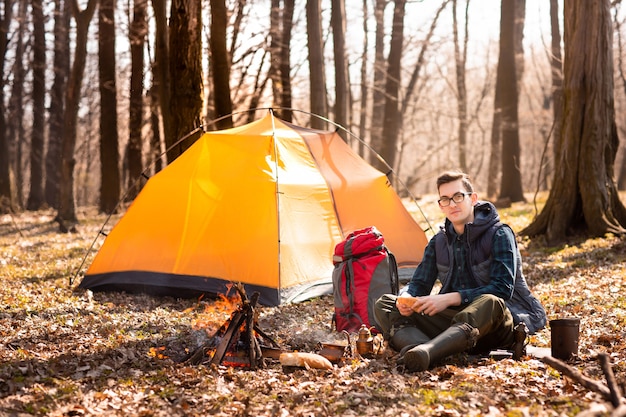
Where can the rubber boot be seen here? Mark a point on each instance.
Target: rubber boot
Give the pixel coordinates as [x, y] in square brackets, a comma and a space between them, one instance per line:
[407, 336]
[457, 338]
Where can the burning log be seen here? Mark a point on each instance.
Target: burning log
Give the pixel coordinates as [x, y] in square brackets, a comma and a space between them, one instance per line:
[239, 338]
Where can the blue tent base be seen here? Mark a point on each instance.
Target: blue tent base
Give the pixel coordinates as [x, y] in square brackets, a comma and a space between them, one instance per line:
[185, 286]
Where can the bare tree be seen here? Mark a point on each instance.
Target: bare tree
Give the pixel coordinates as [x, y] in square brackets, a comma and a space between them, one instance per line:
[380, 71]
[160, 69]
[36, 195]
[236, 20]
[134, 160]
[185, 63]
[67, 207]
[260, 82]
[220, 64]
[16, 132]
[364, 86]
[392, 88]
[342, 79]
[460, 58]
[109, 139]
[285, 59]
[281, 23]
[317, 86]
[505, 149]
[421, 59]
[584, 195]
[275, 53]
[511, 181]
[621, 177]
[61, 69]
[518, 40]
[155, 132]
[556, 66]
[7, 200]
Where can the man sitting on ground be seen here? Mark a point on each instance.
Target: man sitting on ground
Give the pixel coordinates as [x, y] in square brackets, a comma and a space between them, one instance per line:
[483, 296]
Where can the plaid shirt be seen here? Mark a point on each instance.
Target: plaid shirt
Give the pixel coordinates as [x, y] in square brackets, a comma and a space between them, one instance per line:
[502, 269]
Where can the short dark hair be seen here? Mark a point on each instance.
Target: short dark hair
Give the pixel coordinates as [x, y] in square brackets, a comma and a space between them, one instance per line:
[450, 176]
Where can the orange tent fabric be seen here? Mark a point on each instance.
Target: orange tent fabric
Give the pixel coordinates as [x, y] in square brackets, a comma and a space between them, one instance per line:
[263, 204]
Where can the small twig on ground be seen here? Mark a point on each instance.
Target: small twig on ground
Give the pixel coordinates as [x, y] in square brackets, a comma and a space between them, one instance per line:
[616, 394]
[574, 374]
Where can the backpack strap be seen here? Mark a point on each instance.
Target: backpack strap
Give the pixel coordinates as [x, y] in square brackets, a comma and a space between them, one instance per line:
[393, 273]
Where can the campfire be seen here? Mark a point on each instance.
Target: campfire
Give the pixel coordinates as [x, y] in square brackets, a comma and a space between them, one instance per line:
[239, 342]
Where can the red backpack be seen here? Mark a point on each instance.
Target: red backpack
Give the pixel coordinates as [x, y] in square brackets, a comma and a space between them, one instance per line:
[364, 269]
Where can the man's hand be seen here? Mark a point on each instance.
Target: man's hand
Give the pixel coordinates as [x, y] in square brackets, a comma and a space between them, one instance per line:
[429, 305]
[405, 304]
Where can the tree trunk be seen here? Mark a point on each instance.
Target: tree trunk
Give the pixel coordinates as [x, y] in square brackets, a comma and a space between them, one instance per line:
[392, 90]
[61, 68]
[315, 44]
[155, 141]
[220, 64]
[67, 211]
[584, 196]
[109, 139]
[285, 61]
[134, 160]
[275, 53]
[556, 65]
[621, 171]
[342, 80]
[511, 182]
[36, 196]
[186, 71]
[460, 57]
[364, 95]
[160, 70]
[495, 157]
[7, 202]
[16, 135]
[378, 95]
[518, 39]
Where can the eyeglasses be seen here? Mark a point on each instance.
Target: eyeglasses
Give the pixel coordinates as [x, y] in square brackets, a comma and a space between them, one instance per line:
[457, 198]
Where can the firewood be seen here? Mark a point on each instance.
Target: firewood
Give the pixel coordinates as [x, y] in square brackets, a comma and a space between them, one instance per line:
[235, 322]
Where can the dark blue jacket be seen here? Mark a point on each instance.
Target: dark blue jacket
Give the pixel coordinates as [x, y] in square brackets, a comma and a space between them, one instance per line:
[479, 238]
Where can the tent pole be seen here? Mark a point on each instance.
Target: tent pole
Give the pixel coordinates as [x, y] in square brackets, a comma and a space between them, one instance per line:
[277, 194]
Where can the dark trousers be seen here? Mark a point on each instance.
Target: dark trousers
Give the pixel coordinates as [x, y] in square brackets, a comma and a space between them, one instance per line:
[487, 313]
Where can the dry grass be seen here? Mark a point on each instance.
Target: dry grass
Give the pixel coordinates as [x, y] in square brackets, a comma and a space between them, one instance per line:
[73, 353]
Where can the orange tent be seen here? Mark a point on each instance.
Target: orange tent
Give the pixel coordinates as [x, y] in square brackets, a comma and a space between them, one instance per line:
[262, 204]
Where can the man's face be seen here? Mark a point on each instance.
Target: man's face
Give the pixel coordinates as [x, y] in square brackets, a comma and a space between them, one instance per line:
[457, 204]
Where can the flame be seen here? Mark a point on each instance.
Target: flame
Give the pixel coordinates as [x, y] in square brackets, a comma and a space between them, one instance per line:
[216, 312]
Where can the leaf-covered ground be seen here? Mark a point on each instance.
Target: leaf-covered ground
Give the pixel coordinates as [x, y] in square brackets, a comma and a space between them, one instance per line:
[67, 352]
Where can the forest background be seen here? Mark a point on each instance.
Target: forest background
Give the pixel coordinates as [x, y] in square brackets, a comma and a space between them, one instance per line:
[94, 93]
